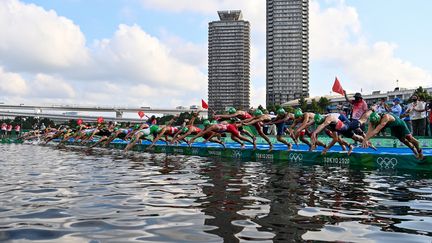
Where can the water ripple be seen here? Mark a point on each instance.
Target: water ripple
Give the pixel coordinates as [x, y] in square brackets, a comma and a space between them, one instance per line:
[76, 194]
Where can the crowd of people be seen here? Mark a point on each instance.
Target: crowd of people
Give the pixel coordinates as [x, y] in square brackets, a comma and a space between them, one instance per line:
[8, 130]
[417, 114]
[360, 125]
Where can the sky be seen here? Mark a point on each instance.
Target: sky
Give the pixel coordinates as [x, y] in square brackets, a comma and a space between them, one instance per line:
[154, 52]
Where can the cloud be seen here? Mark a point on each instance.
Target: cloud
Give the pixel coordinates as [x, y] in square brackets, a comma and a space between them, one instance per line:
[46, 86]
[45, 57]
[12, 83]
[134, 56]
[34, 39]
[338, 41]
[50, 52]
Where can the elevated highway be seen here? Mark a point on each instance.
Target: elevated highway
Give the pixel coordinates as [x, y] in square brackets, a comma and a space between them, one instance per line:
[64, 118]
[118, 111]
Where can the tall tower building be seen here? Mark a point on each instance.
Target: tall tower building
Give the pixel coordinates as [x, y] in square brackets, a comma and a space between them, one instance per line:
[229, 61]
[287, 50]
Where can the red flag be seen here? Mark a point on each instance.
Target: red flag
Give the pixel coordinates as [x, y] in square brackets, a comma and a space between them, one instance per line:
[337, 87]
[141, 114]
[79, 121]
[204, 104]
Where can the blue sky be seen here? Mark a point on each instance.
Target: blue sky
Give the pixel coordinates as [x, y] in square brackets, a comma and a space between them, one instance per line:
[107, 52]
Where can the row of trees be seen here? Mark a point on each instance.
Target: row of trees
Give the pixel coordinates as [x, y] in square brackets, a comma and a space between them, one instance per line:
[315, 106]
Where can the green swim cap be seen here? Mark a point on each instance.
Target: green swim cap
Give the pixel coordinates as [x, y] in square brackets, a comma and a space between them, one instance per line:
[206, 123]
[374, 118]
[298, 113]
[116, 129]
[258, 112]
[154, 129]
[319, 119]
[281, 111]
[185, 130]
[137, 126]
[232, 110]
[213, 122]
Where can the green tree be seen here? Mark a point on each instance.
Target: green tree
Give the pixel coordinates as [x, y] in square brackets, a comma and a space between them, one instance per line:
[314, 107]
[422, 94]
[323, 103]
[289, 109]
[271, 107]
[303, 103]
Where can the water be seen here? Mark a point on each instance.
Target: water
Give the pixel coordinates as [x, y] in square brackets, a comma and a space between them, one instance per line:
[78, 195]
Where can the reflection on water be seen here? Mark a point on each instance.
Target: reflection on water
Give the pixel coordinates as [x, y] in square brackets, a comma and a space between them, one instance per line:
[76, 195]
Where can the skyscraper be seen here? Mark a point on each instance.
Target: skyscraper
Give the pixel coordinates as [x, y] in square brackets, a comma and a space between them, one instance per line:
[229, 61]
[287, 50]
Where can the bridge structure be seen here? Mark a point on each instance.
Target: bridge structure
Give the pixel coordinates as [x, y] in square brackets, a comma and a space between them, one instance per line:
[118, 112]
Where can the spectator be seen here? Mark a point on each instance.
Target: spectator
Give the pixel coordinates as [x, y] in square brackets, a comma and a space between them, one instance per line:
[396, 108]
[272, 127]
[406, 117]
[429, 109]
[42, 127]
[382, 107]
[417, 110]
[152, 120]
[9, 129]
[359, 106]
[3, 129]
[17, 129]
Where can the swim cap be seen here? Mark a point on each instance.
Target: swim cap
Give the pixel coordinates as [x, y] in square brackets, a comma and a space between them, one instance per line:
[206, 123]
[298, 113]
[232, 110]
[154, 129]
[258, 112]
[319, 119]
[136, 126]
[185, 130]
[116, 129]
[374, 118]
[281, 111]
[213, 122]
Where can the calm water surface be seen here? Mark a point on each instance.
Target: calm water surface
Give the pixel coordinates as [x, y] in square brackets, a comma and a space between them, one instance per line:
[77, 195]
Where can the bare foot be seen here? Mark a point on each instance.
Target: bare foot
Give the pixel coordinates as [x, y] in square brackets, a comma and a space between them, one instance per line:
[350, 149]
[242, 146]
[270, 148]
[343, 147]
[324, 152]
[420, 155]
[289, 146]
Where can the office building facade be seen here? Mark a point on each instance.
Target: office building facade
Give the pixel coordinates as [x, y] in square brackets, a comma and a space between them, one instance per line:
[229, 62]
[287, 50]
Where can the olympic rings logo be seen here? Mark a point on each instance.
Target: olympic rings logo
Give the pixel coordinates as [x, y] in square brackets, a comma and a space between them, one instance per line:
[387, 163]
[295, 157]
[237, 154]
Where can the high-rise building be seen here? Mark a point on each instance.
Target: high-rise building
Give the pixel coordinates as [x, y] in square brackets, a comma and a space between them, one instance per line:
[287, 50]
[229, 61]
